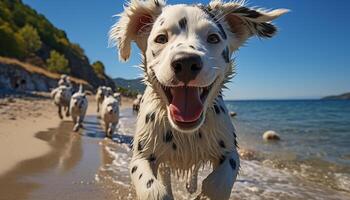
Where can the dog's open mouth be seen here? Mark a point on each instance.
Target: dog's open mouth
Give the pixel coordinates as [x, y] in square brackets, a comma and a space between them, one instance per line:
[186, 104]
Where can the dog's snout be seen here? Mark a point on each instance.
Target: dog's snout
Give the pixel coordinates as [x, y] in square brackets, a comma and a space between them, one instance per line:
[186, 66]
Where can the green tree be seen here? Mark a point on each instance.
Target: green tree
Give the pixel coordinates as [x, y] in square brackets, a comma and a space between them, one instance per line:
[31, 37]
[57, 63]
[11, 44]
[98, 67]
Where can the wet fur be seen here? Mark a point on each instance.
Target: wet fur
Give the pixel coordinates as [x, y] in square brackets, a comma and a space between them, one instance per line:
[61, 97]
[159, 149]
[78, 108]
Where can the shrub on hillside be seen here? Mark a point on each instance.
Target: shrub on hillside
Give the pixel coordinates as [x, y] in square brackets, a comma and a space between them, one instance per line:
[57, 63]
[11, 44]
[99, 68]
[31, 38]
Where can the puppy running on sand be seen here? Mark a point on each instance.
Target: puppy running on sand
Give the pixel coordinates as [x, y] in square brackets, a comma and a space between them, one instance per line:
[118, 97]
[61, 97]
[136, 103]
[101, 93]
[183, 122]
[109, 115]
[78, 107]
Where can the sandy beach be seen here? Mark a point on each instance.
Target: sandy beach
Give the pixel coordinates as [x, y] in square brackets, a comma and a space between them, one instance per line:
[20, 120]
[44, 159]
[33, 140]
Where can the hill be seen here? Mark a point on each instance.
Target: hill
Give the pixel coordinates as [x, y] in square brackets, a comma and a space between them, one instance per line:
[16, 75]
[345, 96]
[130, 87]
[31, 38]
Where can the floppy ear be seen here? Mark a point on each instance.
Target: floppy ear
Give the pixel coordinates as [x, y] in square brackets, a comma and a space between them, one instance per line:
[245, 22]
[135, 24]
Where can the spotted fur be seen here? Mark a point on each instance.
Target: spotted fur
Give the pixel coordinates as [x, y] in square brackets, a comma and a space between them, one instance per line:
[183, 23]
[162, 147]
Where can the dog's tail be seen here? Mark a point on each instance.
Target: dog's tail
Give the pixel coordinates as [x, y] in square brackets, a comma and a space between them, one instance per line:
[81, 88]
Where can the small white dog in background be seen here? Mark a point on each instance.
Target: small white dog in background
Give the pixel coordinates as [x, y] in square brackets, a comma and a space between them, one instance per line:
[61, 97]
[183, 122]
[136, 103]
[101, 93]
[100, 96]
[65, 80]
[78, 108]
[109, 115]
[118, 97]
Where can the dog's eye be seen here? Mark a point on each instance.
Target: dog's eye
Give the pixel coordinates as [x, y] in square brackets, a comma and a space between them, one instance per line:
[213, 38]
[162, 39]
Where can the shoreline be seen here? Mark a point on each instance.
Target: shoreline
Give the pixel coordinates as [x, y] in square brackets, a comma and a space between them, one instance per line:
[87, 166]
[21, 118]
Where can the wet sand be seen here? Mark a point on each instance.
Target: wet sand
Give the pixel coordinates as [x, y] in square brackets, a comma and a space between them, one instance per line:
[22, 116]
[85, 165]
[54, 163]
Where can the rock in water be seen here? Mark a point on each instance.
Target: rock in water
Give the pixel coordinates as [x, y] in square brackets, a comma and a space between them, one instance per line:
[232, 114]
[271, 136]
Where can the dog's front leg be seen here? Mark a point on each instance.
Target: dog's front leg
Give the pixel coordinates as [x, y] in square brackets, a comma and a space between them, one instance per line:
[146, 184]
[191, 183]
[111, 129]
[81, 119]
[219, 183]
[76, 123]
[67, 111]
[164, 176]
[60, 112]
[106, 127]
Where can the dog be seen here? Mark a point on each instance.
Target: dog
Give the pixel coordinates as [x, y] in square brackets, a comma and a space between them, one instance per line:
[101, 93]
[65, 80]
[136, 103]
[99, 96]
[78, 107]
[118, 97]
[183, 122]
[61, 97]
[109, 115]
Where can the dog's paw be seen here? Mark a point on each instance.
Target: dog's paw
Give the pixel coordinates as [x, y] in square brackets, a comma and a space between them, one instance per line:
[191, 187]
[76, 128]
[201, 197]
[153, 190]
[161, 194]
[109, 133]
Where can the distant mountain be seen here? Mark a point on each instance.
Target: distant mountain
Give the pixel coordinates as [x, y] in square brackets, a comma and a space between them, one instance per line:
[133, 85]
[345, 96]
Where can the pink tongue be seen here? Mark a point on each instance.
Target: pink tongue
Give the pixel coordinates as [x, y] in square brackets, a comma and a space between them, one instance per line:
[186, 105]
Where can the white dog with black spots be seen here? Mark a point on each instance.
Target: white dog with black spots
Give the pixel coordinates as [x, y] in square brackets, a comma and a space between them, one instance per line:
[183, 122]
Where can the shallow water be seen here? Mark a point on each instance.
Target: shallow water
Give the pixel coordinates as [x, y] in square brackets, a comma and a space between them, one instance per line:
[67, 172]
[87, 166]
[315, 145]
[262, 178]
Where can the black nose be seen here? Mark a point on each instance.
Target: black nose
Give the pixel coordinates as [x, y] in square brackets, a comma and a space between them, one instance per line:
[186, 66]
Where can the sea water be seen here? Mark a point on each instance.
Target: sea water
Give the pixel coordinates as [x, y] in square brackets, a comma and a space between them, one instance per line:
[311, 161]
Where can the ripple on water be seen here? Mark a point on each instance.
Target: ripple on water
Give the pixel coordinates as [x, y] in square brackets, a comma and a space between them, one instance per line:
[263, 179]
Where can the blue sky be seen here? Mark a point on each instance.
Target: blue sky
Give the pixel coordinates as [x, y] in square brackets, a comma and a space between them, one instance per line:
[309, 57]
